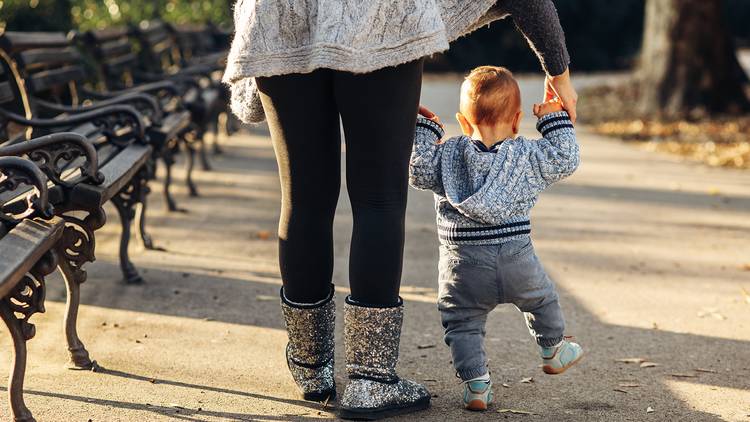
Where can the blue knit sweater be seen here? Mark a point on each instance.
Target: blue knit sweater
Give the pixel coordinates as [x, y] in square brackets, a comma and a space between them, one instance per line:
[484, 195]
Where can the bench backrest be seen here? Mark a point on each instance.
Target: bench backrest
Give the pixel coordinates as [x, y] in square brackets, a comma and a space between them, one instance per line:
[116, 60]
[48, 62]
[159, 50]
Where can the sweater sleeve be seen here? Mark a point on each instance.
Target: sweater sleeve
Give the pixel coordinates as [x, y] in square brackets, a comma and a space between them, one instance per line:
[556, 155]
[538, 22]
[424, 166]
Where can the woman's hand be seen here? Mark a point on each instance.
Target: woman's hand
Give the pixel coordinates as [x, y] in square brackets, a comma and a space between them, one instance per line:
[427, 114]
[560, 86]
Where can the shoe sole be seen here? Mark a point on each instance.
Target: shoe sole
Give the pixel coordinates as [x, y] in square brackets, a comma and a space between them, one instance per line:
[355, 414]
[319, 396]
[557, 371]
[476, 405]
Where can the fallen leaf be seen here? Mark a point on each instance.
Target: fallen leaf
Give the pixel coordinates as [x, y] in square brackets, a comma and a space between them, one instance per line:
[152, 380]
[649, 409]
[516, 411]
[620, 390]
[681, 375]
[746, 294]
[745, 267]
[629, 384]
[266, 298]
[714, 191]
[648, 364]
[705, 370]
[264, 235]
[425, 346]
[528, 380]
[505, 385]
[630, 360]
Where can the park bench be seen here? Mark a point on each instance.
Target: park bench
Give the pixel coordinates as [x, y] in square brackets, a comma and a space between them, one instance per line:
[30, 241]
[57, 83]
[104, 157]
[205, 97]
[120, 70]
[208, 46]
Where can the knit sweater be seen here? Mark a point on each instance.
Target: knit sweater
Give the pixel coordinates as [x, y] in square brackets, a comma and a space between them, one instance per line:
[484, 195]
[278, 37]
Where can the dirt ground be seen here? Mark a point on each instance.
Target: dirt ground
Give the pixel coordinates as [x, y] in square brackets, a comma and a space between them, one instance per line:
[650, 254]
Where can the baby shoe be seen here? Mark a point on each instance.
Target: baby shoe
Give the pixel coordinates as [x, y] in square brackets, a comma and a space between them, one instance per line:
[477, 394]
[558, 358]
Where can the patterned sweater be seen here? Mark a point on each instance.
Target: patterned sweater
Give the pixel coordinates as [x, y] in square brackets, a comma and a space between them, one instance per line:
[484, 195]
[279, 37]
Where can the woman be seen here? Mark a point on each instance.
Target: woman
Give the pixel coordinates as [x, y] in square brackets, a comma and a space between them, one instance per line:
[309, 63]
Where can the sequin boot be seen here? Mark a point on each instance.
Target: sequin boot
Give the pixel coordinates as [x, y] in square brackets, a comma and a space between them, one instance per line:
[309, 353]
[375, 391]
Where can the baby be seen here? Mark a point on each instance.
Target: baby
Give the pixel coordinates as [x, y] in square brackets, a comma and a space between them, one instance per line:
[485, 183]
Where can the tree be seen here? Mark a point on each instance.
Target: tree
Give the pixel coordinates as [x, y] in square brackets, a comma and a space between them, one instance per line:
[688, 62]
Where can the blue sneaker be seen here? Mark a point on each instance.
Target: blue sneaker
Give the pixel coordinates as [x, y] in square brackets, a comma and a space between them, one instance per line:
[557, 359]
[477, 394]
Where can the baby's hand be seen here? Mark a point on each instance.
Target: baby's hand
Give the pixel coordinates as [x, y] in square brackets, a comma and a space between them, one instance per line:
[427, 114]
[551, 106]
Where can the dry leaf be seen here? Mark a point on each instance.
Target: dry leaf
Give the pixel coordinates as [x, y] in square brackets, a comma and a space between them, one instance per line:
[528, 380]
[629, 384]
[266, 298]
[705, 370]
[425, 346]
[680, 375]
[620, 390]
[746, 293]
[649, 409]
[515, 411]
[745, 267]
[505, 385]
[264, 234]
[648, 364]
[630, 360]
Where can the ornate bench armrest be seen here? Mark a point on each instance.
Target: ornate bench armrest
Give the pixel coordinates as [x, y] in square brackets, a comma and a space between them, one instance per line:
[52, 153]
[105, 118]
[142, 102]
[14, 172]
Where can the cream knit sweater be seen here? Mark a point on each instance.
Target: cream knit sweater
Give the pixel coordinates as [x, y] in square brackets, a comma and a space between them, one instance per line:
[277, 37]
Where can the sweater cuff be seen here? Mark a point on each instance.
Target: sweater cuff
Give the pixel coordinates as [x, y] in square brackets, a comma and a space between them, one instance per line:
[427, 126]
[553, 123]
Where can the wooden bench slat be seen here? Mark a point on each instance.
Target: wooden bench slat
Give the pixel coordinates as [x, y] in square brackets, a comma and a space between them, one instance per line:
[44, 57]
[47, 79]
[116, 47]
[23, 246]
[13, 41]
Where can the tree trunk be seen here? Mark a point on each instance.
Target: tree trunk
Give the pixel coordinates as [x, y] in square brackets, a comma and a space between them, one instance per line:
[689, 65]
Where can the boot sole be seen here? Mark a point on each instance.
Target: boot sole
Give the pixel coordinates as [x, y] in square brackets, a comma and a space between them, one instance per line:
[355, 414]
[557, 371]
[319, 396]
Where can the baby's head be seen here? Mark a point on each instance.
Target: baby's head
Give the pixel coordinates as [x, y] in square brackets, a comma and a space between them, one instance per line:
[490, 104]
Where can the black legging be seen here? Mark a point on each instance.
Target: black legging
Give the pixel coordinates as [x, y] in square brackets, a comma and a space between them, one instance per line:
[378, 112]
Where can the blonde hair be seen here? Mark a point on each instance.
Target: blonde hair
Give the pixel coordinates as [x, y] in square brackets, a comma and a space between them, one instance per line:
[490, 94]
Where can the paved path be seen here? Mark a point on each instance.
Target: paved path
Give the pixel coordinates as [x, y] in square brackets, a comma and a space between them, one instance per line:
[646, 250]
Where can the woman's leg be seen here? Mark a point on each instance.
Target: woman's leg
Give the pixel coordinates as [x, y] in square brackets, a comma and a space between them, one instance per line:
[378, 111]
[304, 122]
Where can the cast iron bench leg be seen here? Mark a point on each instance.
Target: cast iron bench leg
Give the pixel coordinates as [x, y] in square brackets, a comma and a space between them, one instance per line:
[190, 165]
[76, 249]
[125, 202]
[26, 299]
[205, 163]
[168, 159]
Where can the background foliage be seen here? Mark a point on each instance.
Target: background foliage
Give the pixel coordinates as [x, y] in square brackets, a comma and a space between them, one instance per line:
[601, 34]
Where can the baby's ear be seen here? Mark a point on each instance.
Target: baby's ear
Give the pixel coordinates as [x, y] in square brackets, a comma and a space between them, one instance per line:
[466, 127]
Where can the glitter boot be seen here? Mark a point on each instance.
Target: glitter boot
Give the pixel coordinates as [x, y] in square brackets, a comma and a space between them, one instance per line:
[309, 353]
[375, 391]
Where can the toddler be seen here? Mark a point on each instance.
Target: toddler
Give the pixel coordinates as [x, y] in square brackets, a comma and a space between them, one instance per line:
[485, 183]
